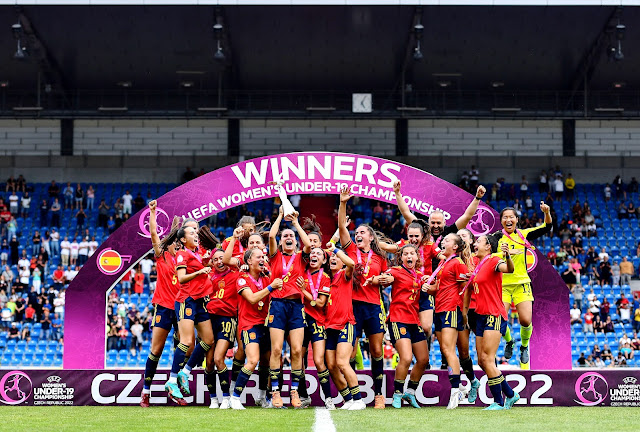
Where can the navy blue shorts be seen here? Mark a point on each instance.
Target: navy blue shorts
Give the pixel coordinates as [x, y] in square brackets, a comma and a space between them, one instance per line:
[313, 332]
[194, 310]
[257, 334]
[448, 319]
[472, 320]
[164, 318]
[369, 317]
[286, 314]
[224, 327]
[426, 301]
[335, 337]
[412, 332]
[490, 322]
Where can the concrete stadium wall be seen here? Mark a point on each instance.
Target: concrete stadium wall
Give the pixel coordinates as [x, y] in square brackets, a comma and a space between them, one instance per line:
[109, 150]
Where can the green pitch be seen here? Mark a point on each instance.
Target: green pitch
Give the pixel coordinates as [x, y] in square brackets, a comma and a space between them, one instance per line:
[126, 419]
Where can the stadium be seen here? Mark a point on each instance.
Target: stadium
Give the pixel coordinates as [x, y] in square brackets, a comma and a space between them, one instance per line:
[286, 207]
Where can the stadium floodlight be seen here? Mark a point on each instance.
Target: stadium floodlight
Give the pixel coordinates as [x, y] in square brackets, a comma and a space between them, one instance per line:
[21, 52]
[17, 30]
[620, 31]
[618, 56]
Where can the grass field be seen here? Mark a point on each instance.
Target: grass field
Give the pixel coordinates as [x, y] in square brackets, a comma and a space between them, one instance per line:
[113, 419]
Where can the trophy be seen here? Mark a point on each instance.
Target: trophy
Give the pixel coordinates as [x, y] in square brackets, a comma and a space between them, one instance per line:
[288, 211]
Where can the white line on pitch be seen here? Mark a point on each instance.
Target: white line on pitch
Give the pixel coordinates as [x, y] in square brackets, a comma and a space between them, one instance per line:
[323, 421]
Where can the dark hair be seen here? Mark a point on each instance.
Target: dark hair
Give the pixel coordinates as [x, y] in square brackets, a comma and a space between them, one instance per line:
[493, 241]
[471, 235]
[207, 239]
[326, 267]
[423, 226]
[247, 255]
[507, 209]
[187, 220]
[398, 258]
[464, 250]
[310, 226]
[170, 238]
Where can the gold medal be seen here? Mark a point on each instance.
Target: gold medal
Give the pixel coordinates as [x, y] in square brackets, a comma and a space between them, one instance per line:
[312, 303]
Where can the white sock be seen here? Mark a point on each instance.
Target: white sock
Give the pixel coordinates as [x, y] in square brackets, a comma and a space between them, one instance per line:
[146, 391]
[173, 380]
[411, 391]
[235, 398]
[262, 394]
[187, 369]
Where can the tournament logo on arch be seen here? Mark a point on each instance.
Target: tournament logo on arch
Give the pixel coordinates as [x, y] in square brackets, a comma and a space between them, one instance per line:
[531, 259]
[162, 219]
[481, 222]
[591, 389]
[15, 388]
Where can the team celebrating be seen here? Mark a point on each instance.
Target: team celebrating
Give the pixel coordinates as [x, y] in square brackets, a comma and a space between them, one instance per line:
[263, 288]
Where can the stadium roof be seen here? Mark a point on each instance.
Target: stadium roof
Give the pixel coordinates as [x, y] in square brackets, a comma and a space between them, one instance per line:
[318, 55]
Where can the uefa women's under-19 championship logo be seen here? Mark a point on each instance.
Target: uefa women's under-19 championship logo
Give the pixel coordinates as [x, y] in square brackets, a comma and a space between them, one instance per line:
[164, 223]
[482, 221]
[591, 389]
[15, 388]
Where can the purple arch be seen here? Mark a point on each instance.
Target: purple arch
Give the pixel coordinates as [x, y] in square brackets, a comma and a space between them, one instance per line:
[306, 173]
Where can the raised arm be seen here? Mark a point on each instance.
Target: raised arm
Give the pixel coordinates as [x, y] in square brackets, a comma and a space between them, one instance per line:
[304, 238]
[507, 265]
[471, 209]
[228, 257]
[345, 196]
[273, 232]
[153, 228]
[255, 297]
[347, 261]
[183, 277]
[402, 206]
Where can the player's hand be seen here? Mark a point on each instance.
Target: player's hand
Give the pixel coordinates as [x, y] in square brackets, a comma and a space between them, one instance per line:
[481, 191]
[505, 249]
[368, 281]
[244, 268]
[465, 276]
[281, 211]
[293, 217]
[396, 187]
[152, 205]
[384, 280]
[238, 233]
[204, 270]
[544, 208]
[276, 283]
[301, 283]
[465, 321]
[345, 194]
[206, 255]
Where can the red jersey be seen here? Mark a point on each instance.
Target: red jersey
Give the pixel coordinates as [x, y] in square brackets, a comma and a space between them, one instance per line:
[167, 285]
[372, 265]
[224, 301]
[339, 310]
[487, 287]
[288, 268]
[250, 315]
[427, 252]
[475, 261]
[238, 249]
[198, 287]
[320, 283]
[450, 284]
[405, 295]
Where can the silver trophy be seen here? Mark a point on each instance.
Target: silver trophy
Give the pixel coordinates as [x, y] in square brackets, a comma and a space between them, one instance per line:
[288, 211]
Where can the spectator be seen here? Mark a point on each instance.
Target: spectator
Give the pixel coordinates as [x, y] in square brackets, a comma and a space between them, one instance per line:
[635, 341]
[524, 187]
[138, 279]
[93, 245]
[145, 265]
[633, 185]
[618, 185]
[65, 251]
[58, 278]
[621, 301]
[53, 190]
[136, 336]
[598, 325]
[620, 360]
[7, 274]
[606, 353]
[636, 319]
[56, 327]
[126, 282]
[126, 202]
[626, 351]
[608, 326]
[103, 214]
[7, 316]
[83, 251]
[139, 203]
[91, 196]
[188, 175]
[153, 278]
[578, 292]
[622, 211]
[605, 307]
[70, 274]
[81, 216]
[74, 248]
[45, 322]
[607, 192]
[55, 213]
[559, 188]
[542, 182]
[576, 315]
[624, 309]
[626, 271]
[582, 361]
[604, 271]
[25, 204]
[624, 340]
[44, 213]
[569, 277]
[14, 203]
[14, 332]
[54, 242]
[588, 322]
[111, 224]
[570, 185]
[551, 256]
[615, 273]
[69, 195]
